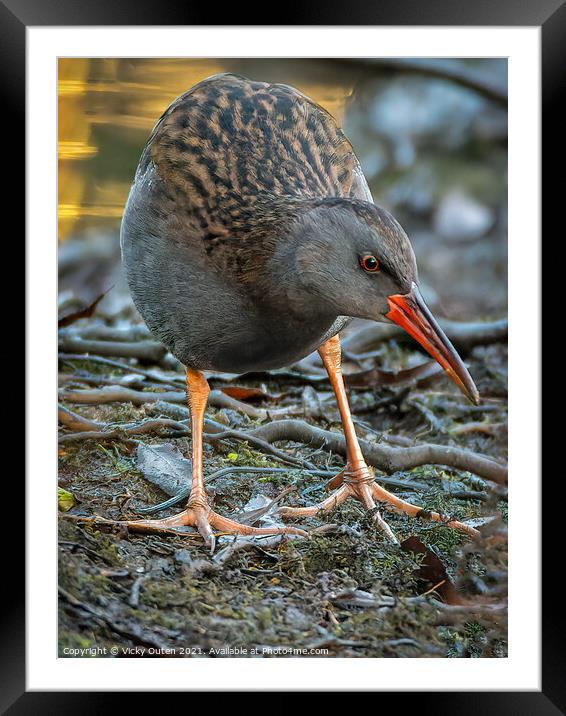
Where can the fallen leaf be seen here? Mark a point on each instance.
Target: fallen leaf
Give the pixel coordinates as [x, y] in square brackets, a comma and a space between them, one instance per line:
[261, 509]
[248, 394]
[164, 466]
[85, 312]
[431, 574]
[65, 499]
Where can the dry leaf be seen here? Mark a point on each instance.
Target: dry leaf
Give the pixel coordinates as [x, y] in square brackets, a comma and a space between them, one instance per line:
[164, 466]
[248, 394]
[432, 574]
[85, 312]
[65, 499]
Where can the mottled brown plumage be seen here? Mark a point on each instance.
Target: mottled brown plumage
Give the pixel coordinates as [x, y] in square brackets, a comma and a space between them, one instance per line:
[229, 148]
[229, 139]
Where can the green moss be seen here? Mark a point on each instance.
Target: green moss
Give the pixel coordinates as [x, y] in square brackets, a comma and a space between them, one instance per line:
[246, 456]
[251, 599]
[118, 460]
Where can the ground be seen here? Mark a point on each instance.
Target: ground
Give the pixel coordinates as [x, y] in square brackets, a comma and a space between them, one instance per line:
[344, 592]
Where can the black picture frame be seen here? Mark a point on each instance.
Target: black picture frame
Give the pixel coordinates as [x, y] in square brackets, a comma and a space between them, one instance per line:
[15, 16]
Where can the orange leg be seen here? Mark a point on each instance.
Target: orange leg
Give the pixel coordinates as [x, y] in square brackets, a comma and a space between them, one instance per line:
[357, 479]
[197, 512]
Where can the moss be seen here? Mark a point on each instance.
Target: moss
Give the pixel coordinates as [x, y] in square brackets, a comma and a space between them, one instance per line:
[469, 640]
[272, 596]
[445, 539]
[248, 457]
[162, 593]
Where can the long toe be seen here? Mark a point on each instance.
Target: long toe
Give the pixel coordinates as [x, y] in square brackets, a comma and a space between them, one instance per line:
[205, 521]
[223, 524]
[396, 504]
[358, 484]
[163, 526]
[201, 520]
[363, 491]
[325, 506]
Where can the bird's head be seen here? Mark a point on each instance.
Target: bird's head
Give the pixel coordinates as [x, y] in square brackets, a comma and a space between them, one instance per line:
[353, 258]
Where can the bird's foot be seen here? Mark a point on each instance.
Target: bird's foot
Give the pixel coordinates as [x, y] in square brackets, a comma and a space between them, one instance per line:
[207, 522]
[360, 484]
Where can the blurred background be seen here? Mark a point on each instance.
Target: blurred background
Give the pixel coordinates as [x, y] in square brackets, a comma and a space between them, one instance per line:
[431, 136]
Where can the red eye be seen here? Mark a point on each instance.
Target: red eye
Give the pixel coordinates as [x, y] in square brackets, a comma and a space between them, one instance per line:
[370, 264]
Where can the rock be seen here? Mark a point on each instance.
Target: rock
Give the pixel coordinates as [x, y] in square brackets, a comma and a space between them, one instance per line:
[460, 217]
[413, 112]
[298, 619]
[160, 564]
[183, 556]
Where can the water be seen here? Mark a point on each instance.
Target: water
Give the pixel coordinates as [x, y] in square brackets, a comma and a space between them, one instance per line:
[430, 149]
[107, 107]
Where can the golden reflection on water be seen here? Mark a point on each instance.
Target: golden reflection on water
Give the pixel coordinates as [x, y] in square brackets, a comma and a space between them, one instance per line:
[107, 107]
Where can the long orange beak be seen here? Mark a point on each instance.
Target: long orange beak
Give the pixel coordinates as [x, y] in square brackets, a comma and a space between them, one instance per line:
[411, 313]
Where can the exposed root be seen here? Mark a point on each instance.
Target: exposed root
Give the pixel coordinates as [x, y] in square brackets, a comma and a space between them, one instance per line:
[386, 458]
[121, 394]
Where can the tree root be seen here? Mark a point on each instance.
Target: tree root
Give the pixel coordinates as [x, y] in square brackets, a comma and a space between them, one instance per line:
[386, 458]
[464, 336]
[121, 394]
[143, 350]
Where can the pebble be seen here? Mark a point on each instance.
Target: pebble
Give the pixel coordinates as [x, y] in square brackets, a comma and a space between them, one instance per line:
[460, 217]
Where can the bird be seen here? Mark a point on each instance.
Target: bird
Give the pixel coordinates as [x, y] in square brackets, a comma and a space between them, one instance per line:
[250, 238]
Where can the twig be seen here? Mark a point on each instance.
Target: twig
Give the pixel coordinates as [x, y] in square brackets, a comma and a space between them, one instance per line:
[463, 408]
[456, 74]
[455, 613]
[84, 312]
[464, 336]
[122, 394]
[245, 543]
[147, 640]
[160, 426]
[450, 72]
[412, 376]
[77, 422]
[134, 598]
[165, 428]
[428, 415]
[386, 458]
[143, 350]
[220, 432]
[123, 366]
[184, 493]
[101, 332]
[476, 427]
[447, 613]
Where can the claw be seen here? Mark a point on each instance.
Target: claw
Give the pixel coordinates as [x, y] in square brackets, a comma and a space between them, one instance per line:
[203, 526]
[383, 526]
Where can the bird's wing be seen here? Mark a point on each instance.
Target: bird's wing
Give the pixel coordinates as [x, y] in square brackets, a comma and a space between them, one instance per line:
[359, 188]
[228, 139]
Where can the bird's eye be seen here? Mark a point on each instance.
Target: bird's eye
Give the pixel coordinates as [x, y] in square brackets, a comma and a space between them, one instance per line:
[370, 264]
